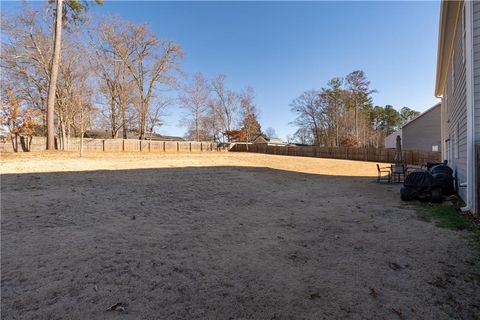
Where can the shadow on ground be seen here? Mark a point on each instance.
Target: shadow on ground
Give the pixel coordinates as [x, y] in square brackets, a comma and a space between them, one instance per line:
[227, 243]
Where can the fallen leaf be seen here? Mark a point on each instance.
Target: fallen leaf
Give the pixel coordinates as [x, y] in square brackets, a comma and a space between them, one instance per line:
[117, 307]
[314, 295]
[394, 266]
[398, 313]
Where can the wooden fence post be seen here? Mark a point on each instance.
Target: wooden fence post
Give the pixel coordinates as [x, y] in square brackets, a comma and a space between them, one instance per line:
[103, 145]
[178, 146]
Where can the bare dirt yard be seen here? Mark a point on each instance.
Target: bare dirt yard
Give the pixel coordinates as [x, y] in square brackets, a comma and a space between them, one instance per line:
[222, 236]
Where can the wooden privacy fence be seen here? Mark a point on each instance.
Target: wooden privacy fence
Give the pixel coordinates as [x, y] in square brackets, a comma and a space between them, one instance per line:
[120, 145]
[413, 157]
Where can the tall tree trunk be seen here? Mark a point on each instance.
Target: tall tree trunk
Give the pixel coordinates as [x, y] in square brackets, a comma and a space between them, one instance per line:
[356, 119]
[196, 129]
[64, 134]
[142, 125]
[337, 144]
[113, 118]
[124, 124]
[15, 143]
[143, 118]
[81, 132]
[69, 128]
[53, 76]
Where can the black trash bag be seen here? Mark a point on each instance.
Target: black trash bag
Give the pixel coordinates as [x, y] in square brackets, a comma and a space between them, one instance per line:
[420, 180]
[441, 168]
[419, 184]
[444, 175]
[436, 195]
[408, 194]
[431, 164]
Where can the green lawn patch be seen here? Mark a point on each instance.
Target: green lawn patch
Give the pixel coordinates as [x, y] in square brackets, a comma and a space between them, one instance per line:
[447, 216]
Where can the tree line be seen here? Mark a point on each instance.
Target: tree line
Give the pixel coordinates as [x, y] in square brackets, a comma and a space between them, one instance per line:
[343, 114]
[107, 74]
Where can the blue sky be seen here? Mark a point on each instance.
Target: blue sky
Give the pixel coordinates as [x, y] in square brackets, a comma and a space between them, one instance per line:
[285, 48]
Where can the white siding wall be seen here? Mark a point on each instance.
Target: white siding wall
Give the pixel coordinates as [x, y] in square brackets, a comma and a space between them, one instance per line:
[476, 67]
[391, 139]
[455, 115]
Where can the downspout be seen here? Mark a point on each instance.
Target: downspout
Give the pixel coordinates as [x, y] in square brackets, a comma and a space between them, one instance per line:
[470, 115]
[443, 146]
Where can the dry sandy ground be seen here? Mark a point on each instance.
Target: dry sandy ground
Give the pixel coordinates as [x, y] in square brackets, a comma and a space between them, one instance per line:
[221, 236]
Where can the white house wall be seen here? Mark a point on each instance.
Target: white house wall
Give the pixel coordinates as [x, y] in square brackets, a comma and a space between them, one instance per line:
[455, 107]
[424, 132]
[476, 67]
[391, 140]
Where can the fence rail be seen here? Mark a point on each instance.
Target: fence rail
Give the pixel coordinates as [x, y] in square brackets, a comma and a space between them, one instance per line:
[413, 157]
[117, 145]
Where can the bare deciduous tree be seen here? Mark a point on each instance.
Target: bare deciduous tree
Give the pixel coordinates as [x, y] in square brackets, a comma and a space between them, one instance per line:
[150, 62]
[249, 113]
[26, 55]
[194, 100]
[26, 60]
[225, 103]
[156, 114]
[271, 133]
[116, 83]
[310, 113]
[18, 118]
[73, 11]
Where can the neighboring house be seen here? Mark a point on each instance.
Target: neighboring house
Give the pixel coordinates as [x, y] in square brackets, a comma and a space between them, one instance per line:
[423, 132]
[390, 141]
[106, 134]
[235, 135]
[261, 138]
[458, 84]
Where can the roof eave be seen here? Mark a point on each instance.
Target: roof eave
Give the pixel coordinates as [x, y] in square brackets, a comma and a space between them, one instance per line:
[450, 12]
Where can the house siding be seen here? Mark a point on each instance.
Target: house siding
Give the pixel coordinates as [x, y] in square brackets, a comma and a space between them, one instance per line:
[390, 141]
[455, 133]
[424, 132]
[476, 68]
[476, 98]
